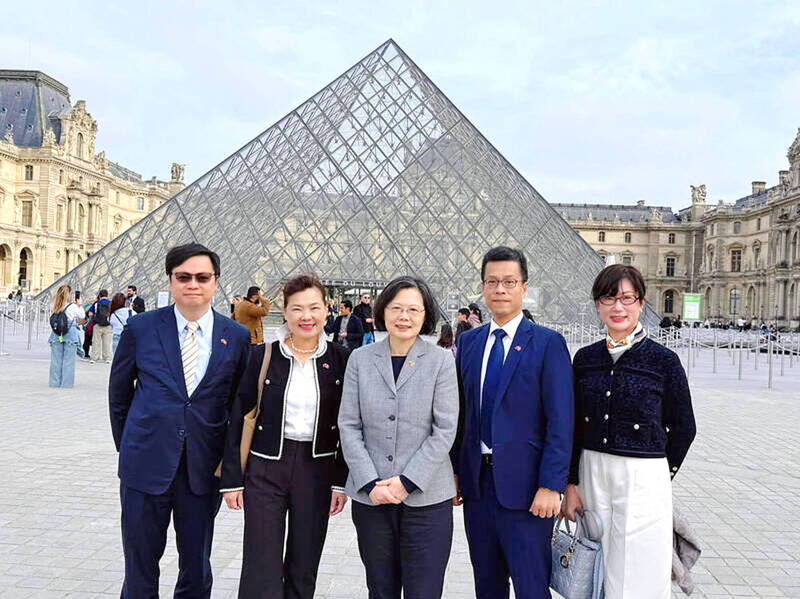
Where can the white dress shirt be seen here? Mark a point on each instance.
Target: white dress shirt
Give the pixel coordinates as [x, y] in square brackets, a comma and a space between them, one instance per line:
[511, 329]
[204, 335]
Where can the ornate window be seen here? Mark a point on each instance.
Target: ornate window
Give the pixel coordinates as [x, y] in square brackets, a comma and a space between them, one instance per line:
[60, 218]
[601, 236]
[627, 236]
[27, 213]
[669, 301]
[671, 238]
[627, 260]
[736, 260]
[79, 146]
[670, 266]
[735, 301]
[140, 203]
[29, 172]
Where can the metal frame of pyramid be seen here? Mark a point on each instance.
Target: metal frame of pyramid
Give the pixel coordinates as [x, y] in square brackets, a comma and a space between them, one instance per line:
[376, 175]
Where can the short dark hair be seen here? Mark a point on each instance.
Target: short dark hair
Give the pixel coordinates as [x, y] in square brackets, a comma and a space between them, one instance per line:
[464, 311]
[347, 304]
[181, 253]
[102, 293]
[607, 282]
[505, 254]
[251, 291]
[132, 287]
[393, 288]
[301, 283]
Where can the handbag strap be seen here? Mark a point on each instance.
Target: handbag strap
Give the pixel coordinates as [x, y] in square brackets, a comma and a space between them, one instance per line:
[262, 376]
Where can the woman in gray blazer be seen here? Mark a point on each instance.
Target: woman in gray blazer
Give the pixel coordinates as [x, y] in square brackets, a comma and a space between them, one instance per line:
[397, 422]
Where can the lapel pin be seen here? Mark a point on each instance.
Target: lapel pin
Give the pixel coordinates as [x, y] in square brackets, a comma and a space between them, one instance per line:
[518, 348]
[224, 342]
[325, 365]
[411, 363]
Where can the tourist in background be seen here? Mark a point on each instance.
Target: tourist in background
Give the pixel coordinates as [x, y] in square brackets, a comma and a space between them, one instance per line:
[63, 348]
[101, 329]
[294, 466]
[633, 427]
[119, 316]
[364, 311]
[475, 316]
[347, 328]
[235, 302]
[249, 313]
[133, 302]
[446, 338]
[462, 322]
[397, 422]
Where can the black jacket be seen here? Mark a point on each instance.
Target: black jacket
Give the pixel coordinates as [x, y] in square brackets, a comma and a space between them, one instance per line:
[639, 407]
[364, 311]
[268, 436]
[355, 331]
[137, 305]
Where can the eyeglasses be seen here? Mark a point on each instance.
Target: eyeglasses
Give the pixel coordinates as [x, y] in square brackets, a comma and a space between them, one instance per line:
[412, 311]
[627, 299]
[200, 277]
[507, 283]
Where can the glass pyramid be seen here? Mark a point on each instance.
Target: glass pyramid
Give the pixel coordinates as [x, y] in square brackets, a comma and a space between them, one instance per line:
[375, 176]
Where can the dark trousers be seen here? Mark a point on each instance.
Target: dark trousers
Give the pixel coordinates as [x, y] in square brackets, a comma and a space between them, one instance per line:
[505, 543]
[145, 519]
[297, 484]
[404, 548]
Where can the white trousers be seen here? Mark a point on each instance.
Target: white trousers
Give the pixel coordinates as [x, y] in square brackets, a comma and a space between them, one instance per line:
[633, 498]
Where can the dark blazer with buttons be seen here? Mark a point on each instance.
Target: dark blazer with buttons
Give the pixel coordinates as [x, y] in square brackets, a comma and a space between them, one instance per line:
[268, 437]
[152, 417]
[406, 427]
[638, 407]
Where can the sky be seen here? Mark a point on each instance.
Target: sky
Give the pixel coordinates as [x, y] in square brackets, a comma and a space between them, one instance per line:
[593, 102]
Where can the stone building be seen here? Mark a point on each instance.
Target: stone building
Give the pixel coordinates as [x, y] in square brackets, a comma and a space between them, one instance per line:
[744, 256]
[59, 200]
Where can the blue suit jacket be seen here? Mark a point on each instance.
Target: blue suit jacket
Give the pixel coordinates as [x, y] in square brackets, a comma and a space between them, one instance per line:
[532, 423]
[151, 414]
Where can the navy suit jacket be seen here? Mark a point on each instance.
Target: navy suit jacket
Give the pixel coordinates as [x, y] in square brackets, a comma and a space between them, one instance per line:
[532, 423]
[152, 416]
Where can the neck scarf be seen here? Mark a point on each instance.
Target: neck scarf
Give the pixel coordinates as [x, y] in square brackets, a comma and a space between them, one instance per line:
[615, 348]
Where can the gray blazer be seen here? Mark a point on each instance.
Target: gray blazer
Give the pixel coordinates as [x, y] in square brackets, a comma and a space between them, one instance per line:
[389, 429]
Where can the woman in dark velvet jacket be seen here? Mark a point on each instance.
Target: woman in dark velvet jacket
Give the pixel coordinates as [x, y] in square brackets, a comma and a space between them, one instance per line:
[633, 427]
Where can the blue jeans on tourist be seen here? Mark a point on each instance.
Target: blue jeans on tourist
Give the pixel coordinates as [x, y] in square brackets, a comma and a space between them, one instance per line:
[368, 338]
[63, 354]
[114, 342]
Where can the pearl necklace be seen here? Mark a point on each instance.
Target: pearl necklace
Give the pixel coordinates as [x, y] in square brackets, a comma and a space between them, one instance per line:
[302, 351]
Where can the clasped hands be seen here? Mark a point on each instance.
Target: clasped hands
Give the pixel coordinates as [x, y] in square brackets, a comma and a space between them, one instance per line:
[386, 491]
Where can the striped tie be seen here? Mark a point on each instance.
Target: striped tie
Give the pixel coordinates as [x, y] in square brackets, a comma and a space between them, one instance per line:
[189, 353]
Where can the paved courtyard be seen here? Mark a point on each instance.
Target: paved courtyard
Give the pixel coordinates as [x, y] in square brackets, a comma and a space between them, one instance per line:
[59, 504]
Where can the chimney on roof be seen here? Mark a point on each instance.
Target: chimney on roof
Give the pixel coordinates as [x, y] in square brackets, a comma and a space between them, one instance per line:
[759, 187]
[640, 204]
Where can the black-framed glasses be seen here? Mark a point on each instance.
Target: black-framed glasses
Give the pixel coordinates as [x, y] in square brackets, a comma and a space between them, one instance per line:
[200, 277]
[627, 299]
[507, 283]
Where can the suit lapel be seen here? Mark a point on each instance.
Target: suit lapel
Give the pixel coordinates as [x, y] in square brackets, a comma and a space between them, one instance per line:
[218, 348]
[518, 344]
[412, 362]
[168, 335]
[478, 347]
[383, 363]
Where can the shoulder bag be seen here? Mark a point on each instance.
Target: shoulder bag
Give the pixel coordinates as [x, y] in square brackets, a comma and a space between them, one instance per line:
[577, 570]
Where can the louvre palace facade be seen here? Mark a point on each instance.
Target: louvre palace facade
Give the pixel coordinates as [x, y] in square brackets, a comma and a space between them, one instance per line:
[59, 200]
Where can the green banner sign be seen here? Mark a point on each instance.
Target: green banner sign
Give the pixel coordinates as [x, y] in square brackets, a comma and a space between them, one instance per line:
[692, 306]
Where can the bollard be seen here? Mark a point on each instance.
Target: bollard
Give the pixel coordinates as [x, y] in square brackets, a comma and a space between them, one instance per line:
[714, 369]
[689, 359]
[758, 350]
[741, 340]
[791, 351]
[769, 362]
[2, 333]
[30, 331]
[783, 351]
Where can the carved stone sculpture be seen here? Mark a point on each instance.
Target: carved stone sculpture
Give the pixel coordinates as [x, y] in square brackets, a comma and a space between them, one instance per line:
[698, 194]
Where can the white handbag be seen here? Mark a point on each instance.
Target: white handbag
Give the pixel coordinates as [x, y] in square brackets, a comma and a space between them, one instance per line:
[577, 570]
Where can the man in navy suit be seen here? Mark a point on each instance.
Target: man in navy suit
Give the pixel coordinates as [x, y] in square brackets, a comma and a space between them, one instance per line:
[512, 452]
[172, 384]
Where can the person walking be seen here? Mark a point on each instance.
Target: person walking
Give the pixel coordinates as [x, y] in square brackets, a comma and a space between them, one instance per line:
[119, 316]
[364, 312]
[397, 422]
[65, 341]
[170, 394]
[512, 452]
[294, 465]
[101, 329]
[634, 425]
[249, 313]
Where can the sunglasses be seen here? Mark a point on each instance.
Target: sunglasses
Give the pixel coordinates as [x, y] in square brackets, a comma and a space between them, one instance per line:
[200, 277]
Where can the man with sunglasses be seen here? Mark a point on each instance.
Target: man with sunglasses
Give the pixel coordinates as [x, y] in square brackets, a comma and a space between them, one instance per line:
[172, 385]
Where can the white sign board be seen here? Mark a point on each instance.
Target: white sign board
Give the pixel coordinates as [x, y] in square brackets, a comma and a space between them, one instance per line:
[163, 299]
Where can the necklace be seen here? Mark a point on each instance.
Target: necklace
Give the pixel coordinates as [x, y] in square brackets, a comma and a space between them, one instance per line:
[302, 351]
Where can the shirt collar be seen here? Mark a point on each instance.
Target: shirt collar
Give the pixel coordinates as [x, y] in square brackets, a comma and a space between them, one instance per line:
[283, 332]
[510, 327]
[204, 322]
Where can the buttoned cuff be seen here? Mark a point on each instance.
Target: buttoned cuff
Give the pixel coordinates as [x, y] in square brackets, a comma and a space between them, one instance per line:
[231, 490]
[336, 489]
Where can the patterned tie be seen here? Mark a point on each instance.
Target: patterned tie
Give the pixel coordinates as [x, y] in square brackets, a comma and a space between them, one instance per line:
[490, 382]
[189, 353]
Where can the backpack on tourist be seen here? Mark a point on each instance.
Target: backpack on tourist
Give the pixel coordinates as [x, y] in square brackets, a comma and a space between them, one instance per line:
[59, 324]
[101, 316]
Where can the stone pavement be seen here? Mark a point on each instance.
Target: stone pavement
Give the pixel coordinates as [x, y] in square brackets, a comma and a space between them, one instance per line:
[59, 504]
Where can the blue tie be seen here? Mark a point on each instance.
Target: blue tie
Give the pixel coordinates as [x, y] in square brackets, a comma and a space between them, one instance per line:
[490, 382]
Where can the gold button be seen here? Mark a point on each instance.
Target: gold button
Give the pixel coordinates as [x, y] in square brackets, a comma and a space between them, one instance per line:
[338, 382]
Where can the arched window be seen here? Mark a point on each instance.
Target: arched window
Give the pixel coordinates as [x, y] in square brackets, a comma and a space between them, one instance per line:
[794, 248]
[29, 172]
[710, 259]
[707, 302]
[669, 301]
[790, 303]
[81, 220]
[735, 302]
[751, 301]
[601, 236]
[627, 237]
[671, 238]
[79, 146]
[5, 265]
[25, 262]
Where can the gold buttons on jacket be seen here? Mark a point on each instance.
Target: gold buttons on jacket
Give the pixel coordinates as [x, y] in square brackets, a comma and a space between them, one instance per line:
[338, 382]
